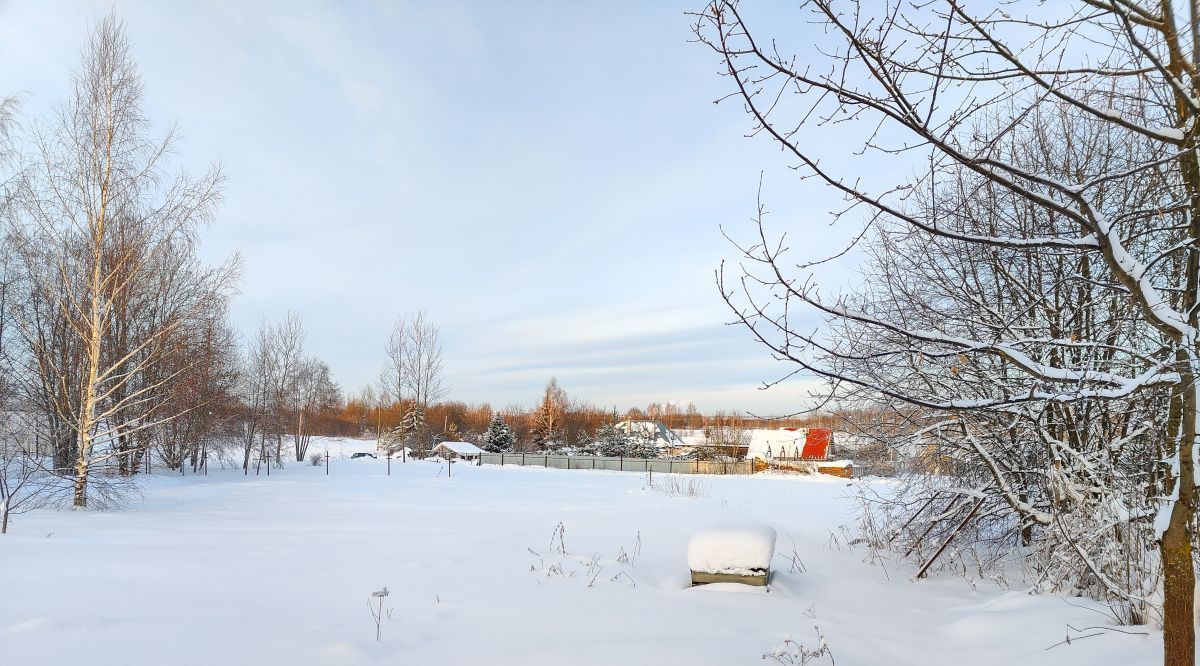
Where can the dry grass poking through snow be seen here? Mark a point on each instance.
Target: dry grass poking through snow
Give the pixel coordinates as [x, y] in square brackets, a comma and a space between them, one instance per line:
[673, 485]
[559, 563]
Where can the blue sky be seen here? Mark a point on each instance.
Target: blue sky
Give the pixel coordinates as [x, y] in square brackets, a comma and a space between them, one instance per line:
[545, 179]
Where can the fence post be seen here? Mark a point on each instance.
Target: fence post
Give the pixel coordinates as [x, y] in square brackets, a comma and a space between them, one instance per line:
[522, 459]
[326, 464]
[622, 463]
[389, 457]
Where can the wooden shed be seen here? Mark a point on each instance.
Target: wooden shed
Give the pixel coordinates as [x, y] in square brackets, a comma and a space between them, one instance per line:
[458, 451]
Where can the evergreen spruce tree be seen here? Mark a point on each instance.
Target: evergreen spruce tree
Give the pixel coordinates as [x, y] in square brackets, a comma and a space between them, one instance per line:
[611, 441]
[498, 438]
[585, 445]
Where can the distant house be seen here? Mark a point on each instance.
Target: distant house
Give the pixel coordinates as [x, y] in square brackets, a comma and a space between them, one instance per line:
[655, 431]
[458, 451]
[814, 455]
[817, 444]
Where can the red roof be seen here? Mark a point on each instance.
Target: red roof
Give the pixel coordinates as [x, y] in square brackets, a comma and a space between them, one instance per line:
[816, 444]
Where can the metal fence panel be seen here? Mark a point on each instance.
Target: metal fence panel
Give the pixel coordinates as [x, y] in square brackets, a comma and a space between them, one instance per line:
[618, 464]
[613, 464]
[661, 466]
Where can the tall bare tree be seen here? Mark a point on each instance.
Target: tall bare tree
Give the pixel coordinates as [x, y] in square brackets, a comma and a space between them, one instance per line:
[282, 389]
[414, 367]
[102, 230]
[313, 391]
[254, 389]
[413, 375]
[550, 417]
[204, 393]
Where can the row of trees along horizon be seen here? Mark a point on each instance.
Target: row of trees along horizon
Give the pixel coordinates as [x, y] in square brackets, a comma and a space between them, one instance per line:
[556, 419]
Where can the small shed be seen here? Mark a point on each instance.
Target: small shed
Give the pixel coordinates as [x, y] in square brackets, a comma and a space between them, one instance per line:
[458, 451]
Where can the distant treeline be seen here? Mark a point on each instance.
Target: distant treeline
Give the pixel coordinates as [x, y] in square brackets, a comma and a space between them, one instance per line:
[578, 420]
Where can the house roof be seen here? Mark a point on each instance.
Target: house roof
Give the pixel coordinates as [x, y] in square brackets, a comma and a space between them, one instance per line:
[461, 448]
[656, 430]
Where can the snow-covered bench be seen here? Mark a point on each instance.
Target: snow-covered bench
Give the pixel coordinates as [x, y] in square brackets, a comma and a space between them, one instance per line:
[736, 554]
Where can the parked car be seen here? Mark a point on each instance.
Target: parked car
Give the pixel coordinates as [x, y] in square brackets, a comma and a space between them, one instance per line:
[361, 454]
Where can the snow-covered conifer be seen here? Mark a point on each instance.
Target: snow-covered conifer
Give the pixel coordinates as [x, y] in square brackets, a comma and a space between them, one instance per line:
[498, 438]
[612, 441]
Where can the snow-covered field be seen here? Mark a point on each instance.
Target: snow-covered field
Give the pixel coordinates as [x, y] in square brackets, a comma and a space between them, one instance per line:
[225, 569]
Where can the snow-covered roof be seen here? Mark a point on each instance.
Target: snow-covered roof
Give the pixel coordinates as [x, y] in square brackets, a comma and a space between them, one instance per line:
[461, 448]
[654, 429]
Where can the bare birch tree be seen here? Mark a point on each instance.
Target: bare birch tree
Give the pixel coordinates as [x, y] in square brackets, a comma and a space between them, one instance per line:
[394, 378]
[255, 392]
[414, 367]
[269, 379]
[550, 417]
[282, 388]
[413, 375]
[314, 391]
[102, 225]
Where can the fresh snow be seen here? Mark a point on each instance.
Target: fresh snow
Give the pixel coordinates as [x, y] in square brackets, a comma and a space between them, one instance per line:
[498, 566]
[744, 550]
